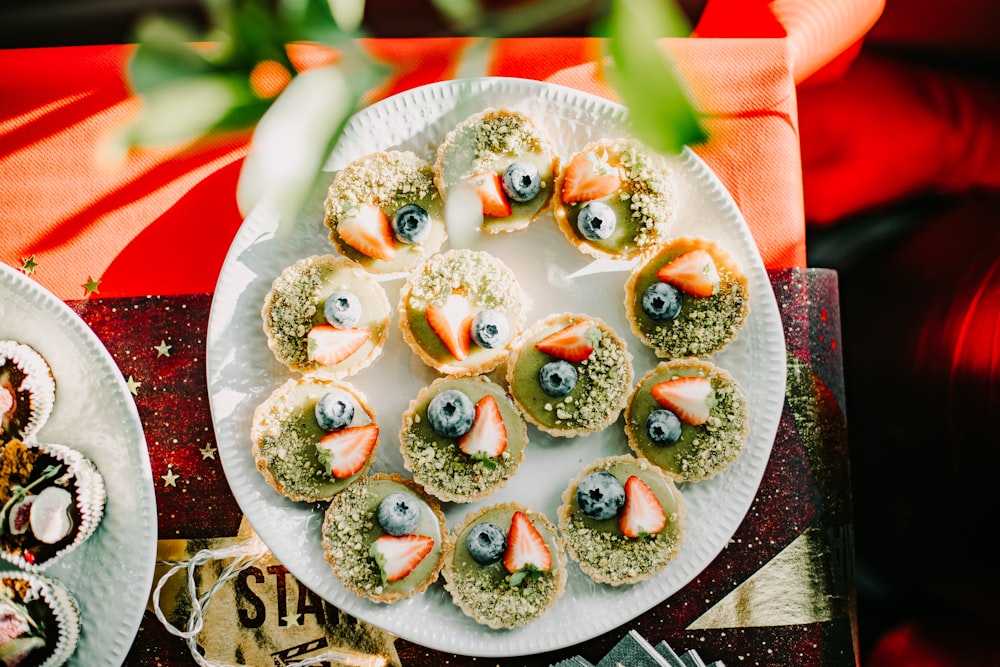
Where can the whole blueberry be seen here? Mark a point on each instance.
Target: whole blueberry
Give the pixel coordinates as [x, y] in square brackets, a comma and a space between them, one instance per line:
[557, 378]
[411, 224]
[334, 411]
[600, 495]
[399, 513]
[490, 328]
[486, 542]
[521, 181]
[451, 413]
[596, 221]
[661, 301]
[342, 309]
[663, 427]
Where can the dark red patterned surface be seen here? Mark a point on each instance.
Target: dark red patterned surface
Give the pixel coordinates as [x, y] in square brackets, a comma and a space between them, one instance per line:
[805, 486]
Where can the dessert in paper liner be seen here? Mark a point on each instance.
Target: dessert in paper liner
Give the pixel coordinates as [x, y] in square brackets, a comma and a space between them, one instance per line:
[39, 621]
[53, 500]
[27, 390]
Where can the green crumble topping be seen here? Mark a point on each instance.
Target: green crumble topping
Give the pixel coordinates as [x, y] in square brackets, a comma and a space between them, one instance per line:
[441, 464]
[289, 447]
[346, 538]
[388, 180]
[723, 439]
[651, 193]
[619, 557]
[472, 273]
[292, 308]
[603, 380]
[488, 593]
[704, 325]
[483, 138]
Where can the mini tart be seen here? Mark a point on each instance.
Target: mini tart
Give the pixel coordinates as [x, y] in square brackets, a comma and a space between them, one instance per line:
[294, 306]
[484, 592]
[705, 324]
[603, 552]
[487, 143]
[350, 526]
[483, 282]
[702, 451]
[643, 203]
[285, 435]
[53, 499]
[439, 464]
[27, 390]
[387, 180]
[39, 621]
[602, 387]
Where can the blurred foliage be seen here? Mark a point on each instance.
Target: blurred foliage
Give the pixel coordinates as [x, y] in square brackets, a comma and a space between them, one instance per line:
[237, 75]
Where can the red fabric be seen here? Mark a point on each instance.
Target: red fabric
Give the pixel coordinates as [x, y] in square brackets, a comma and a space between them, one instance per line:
[891, 130]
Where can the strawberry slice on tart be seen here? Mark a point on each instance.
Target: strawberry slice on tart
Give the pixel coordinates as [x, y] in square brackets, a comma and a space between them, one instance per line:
[328, 345]
[693, 272]
[345, 452]
[687, 396]
[489, 187]
[398, 556]
[488, 436]
[452, 323]
[368, 230]
[526, 550]
[569, 343]
[589, 176]
[642, 514]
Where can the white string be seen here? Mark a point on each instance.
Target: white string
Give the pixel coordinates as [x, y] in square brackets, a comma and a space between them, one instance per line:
[244, 555]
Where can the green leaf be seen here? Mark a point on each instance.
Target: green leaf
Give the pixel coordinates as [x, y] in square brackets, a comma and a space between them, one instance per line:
[643, 74]
[189, 107]
[295, 137]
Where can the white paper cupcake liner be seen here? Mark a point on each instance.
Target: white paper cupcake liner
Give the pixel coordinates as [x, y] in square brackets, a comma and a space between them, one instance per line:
[90, 501]
[38, 382]
[65, 611]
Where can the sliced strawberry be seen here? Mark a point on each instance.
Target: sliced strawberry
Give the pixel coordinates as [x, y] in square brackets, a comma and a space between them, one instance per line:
[452, 323]
[398, 556]
[588, 177]
[344, 452]
[685, 396]
[490, 190]
[488, 435]
[525, 546]
[569, 343]
[643, 514]
[368, 231]
[693, 272]
[328, 345]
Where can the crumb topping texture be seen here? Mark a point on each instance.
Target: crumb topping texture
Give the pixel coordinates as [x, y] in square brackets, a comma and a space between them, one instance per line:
[702, 451]
[602, 386]
[472, 273]
[477, 142]
[388, 180]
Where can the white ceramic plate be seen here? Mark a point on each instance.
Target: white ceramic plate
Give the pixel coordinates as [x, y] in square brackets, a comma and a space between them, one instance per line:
[242, 371]
[111, 573]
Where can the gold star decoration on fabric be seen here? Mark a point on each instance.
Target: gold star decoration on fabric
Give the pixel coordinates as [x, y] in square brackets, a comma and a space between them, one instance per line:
[28, 265]
[132, 385]
[207, 452]
[162, 350]
[170, 479]
[91, 286]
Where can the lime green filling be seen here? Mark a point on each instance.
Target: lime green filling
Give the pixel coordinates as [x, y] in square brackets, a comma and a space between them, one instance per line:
[439, 463]
[602, 382]
[701, 450]
[487, 589]
[352, 526]
[704, 324]
[602, 547]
